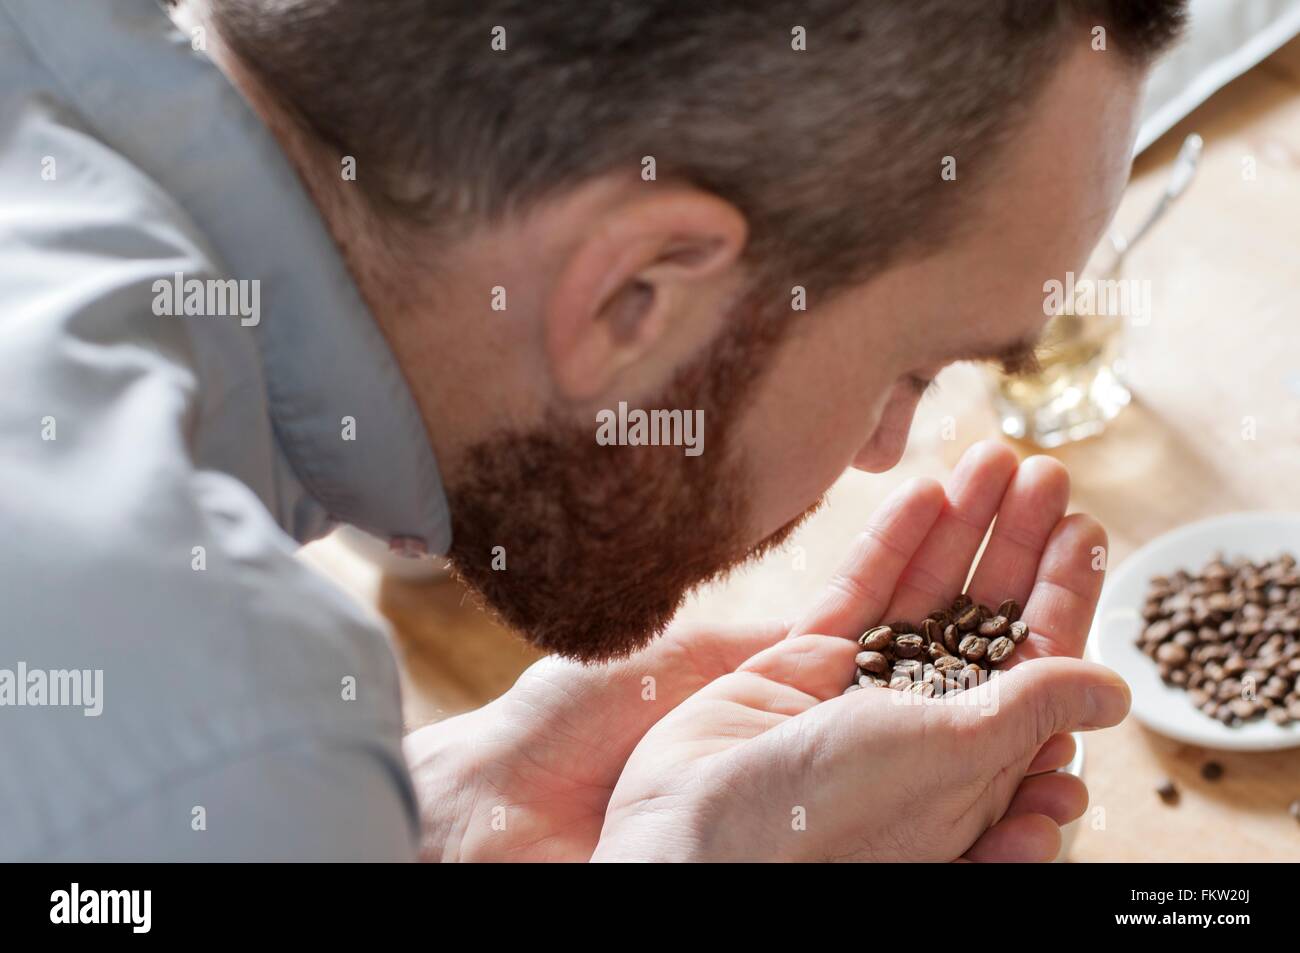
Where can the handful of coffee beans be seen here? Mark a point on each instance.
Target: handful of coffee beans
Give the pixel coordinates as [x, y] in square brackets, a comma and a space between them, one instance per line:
[950, 650]
[1230, 636]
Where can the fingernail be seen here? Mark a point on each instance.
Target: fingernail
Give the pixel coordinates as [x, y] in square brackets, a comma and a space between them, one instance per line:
[1107, 705]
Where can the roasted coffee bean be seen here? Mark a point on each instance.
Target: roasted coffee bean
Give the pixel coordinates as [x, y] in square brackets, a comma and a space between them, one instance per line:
[949, 664]
[994, 626]
[908, 667]
[942, 616]
[1228, 689]
[968, 619]
[1000, 650]
[1229, 634]
[1243, 708]
[1168, 792]
[1211, 770]
[877, 639]
[908, 646]
[1218, 603]
[970, 676]
[1171, 653]
[948, 650]
[873, 662]
[951, 637]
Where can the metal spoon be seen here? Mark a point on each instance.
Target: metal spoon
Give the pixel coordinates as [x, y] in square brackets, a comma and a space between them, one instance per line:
[1185, 165]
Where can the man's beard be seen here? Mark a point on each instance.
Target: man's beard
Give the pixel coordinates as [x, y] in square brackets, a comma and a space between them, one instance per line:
[601, 544]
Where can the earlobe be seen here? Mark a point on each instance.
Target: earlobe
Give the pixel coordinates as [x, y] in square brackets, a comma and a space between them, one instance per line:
[630, 281]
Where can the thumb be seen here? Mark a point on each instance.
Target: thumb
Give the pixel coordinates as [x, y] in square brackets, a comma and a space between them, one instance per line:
[1043, 697]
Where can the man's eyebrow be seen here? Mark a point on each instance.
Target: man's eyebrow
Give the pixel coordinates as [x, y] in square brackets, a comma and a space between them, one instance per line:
[1015, 359]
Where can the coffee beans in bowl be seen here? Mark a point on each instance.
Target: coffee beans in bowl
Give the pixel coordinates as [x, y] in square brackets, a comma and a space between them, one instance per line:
[1229, 635]
[954, 648]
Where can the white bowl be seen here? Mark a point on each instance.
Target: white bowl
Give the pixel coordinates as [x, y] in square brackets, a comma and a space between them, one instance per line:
[1164, 708]
[1071, 830]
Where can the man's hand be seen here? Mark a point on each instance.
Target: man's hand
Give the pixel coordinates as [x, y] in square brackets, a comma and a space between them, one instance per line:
[528, 776]
[772, 762]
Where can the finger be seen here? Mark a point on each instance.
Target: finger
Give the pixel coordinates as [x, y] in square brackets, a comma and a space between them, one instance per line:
[1026, 839]
[1062, 797]
[713, 650]
[859, 592]
[1034, 503]
[687, 658]
[938, 571]
[782, 681]
[816, 665]
[1025, 706]
[1056, 753]
[1059, 610]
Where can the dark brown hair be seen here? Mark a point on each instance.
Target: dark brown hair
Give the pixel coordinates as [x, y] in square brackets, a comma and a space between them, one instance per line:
[832, 153]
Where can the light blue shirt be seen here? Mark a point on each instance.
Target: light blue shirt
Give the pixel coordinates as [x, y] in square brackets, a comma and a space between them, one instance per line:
[157, 471]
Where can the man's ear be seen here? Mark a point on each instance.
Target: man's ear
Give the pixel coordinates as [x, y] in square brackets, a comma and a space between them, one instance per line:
[628, 283]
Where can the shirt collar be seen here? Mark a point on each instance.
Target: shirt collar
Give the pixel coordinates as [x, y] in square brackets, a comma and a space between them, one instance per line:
[172, 112]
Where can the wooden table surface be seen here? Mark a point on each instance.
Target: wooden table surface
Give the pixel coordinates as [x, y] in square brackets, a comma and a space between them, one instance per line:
[1223, 345]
